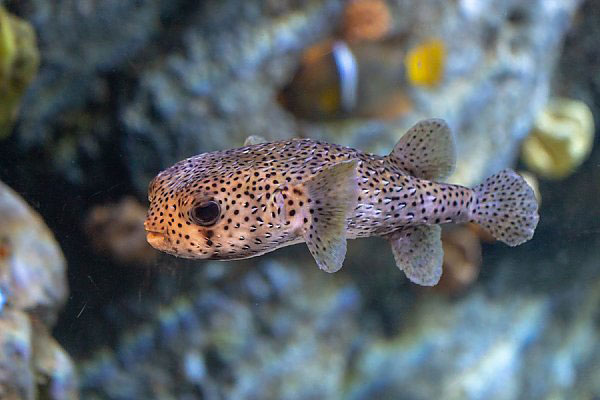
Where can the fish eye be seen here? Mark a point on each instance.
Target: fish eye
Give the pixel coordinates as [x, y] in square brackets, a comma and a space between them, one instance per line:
[205, 214]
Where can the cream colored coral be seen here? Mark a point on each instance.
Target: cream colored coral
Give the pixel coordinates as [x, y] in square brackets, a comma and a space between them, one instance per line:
[533, 182]
[561, 138]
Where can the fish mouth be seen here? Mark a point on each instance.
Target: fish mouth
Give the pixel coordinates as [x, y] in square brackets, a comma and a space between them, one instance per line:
[157, 240]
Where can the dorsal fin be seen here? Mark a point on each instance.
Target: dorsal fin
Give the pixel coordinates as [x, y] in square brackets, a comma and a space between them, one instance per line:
[426, 150]
[333, 195]
[254, 139]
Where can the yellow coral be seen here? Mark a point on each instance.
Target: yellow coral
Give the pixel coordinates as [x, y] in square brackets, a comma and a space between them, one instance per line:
[425, 63]
[7, 44]
[19, 60]
[561, 138]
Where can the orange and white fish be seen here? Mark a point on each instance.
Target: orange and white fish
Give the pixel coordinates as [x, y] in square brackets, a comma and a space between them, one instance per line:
[248, 201]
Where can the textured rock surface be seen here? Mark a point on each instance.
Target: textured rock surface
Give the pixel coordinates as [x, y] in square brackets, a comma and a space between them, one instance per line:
[505, 340]
[32, 364]
[32, 266]
[80, 43]
[32, 289]
[16, 376]
[222, 85]
[55, 373]
[275, 331]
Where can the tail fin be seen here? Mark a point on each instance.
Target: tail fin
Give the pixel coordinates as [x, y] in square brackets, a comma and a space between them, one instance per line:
[505, 206]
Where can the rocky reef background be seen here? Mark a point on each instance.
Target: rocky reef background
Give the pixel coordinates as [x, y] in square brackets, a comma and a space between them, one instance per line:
[125, 88]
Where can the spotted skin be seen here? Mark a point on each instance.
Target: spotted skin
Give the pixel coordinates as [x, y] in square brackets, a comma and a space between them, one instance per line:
[276, 194]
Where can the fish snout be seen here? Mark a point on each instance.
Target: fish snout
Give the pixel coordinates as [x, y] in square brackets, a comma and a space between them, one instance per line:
[158, 240]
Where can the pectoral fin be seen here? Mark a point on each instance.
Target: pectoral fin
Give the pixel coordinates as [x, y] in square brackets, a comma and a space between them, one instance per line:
[418, 252]
[333, 195]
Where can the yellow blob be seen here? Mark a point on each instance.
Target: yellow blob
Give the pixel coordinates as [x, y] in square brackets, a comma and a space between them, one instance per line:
[19, 59]
[561, 138]
[329, 100]
[7, 43]
[425, 63]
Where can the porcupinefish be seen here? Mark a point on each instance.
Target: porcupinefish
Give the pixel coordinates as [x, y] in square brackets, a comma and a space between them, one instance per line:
[244, 202]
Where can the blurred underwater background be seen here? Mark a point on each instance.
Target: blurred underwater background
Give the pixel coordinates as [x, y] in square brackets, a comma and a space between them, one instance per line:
[98, 96]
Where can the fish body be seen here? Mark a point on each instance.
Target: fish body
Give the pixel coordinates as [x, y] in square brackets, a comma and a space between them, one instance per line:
[248, 201]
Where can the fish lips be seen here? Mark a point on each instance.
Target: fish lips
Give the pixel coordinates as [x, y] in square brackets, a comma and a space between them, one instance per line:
[158, 240]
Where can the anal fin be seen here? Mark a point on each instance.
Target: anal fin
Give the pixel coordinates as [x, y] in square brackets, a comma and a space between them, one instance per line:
[333, 194]
[418, 252]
